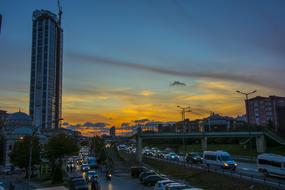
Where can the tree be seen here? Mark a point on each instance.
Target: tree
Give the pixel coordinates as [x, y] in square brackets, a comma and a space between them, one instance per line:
[21, 151]
[57, 147]
[98, 148]
[61, 145]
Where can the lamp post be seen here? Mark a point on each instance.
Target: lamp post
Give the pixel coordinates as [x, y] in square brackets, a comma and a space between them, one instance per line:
[183, 111]
[34, 131]
[246, 94]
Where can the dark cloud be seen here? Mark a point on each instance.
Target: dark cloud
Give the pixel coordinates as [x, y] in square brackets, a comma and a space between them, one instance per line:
[141, 120]
[177, 83]
[95, 125]
[217, 74]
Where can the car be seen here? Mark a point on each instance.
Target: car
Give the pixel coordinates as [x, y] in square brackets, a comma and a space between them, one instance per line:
[70, 163]
[85, 167]
[161, 154]
[194, 158]
[8, 170]
[136, 170]
[152, 179]
[176, 186]
[160, 185]
[91, 174]
[172, 156]
[79, 161]
[78, 184]
[146, 173]
[219, 158]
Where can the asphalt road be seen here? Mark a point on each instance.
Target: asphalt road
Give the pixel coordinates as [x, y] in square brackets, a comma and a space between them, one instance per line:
[119, 181]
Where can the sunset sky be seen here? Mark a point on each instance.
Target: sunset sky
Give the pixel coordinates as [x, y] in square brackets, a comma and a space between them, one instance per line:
[121, 56]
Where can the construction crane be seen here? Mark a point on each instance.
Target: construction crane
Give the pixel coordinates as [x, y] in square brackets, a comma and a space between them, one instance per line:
[59, 12]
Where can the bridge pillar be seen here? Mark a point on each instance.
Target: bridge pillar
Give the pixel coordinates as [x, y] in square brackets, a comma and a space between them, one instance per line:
[260, 144]
[139, 145]
[204, 142]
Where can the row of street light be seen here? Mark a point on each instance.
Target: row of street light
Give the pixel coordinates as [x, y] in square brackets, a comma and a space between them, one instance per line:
[187, 109]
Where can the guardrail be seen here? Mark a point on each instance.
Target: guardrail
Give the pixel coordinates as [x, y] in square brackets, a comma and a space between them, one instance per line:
[276, 183]
[244, 158]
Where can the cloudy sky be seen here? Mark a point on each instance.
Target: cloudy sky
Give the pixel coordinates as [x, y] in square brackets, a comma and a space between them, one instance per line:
[126, 60]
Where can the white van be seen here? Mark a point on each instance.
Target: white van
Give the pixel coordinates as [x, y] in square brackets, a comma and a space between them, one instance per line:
[219, 158]
[271, 164]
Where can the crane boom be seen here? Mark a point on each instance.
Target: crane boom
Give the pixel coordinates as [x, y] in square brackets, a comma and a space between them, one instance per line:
[59, 11]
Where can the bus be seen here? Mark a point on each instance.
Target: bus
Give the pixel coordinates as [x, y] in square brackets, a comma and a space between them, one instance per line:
[92, 162]
[271, 164]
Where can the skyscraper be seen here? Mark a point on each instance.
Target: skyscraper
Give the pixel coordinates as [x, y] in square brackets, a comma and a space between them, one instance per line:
[46, 70]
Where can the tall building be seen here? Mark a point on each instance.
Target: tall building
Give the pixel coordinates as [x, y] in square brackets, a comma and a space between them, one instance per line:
[112, 131]
[46, 70]
[267, 111]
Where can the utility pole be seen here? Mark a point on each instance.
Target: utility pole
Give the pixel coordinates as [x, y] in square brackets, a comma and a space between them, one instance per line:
[34, 132]
[246, 94]
[184, 110]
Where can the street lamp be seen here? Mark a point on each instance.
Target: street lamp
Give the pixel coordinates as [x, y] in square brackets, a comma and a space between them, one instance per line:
[246, 99]
[183, 111]
[34, 130]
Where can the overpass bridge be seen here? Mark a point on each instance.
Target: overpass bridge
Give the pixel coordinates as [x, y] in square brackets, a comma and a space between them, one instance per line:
[258, 135]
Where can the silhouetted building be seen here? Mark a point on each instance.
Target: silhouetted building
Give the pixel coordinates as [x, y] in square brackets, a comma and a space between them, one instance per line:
[266, 111]
[113, 131]
[46, 70]
[3, 116]
[281, 119]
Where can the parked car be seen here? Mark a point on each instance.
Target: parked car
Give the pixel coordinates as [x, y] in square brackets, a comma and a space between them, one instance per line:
[91, 174]
[78, 184]
[219, 158]
[172, 156]
[85, 167]
[176, 186]
[152, 179]
[160, 185]
[136, 170]
[194, 157]
[144, 174]
[8, 170]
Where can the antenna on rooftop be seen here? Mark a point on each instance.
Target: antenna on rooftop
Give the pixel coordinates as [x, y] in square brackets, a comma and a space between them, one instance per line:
[59, 11]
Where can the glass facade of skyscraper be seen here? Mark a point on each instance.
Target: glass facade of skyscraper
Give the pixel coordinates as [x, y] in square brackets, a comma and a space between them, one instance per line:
[46, 70]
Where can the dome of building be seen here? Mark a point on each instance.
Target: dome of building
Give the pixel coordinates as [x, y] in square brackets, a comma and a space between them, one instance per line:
[23, 131]
[18, 119]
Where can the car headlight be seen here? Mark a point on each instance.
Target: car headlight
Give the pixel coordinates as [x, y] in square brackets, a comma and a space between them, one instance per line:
[226, 165]
[195, 158]
[235, 164]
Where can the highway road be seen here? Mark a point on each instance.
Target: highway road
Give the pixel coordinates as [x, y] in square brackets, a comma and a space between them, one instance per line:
[247, 171]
